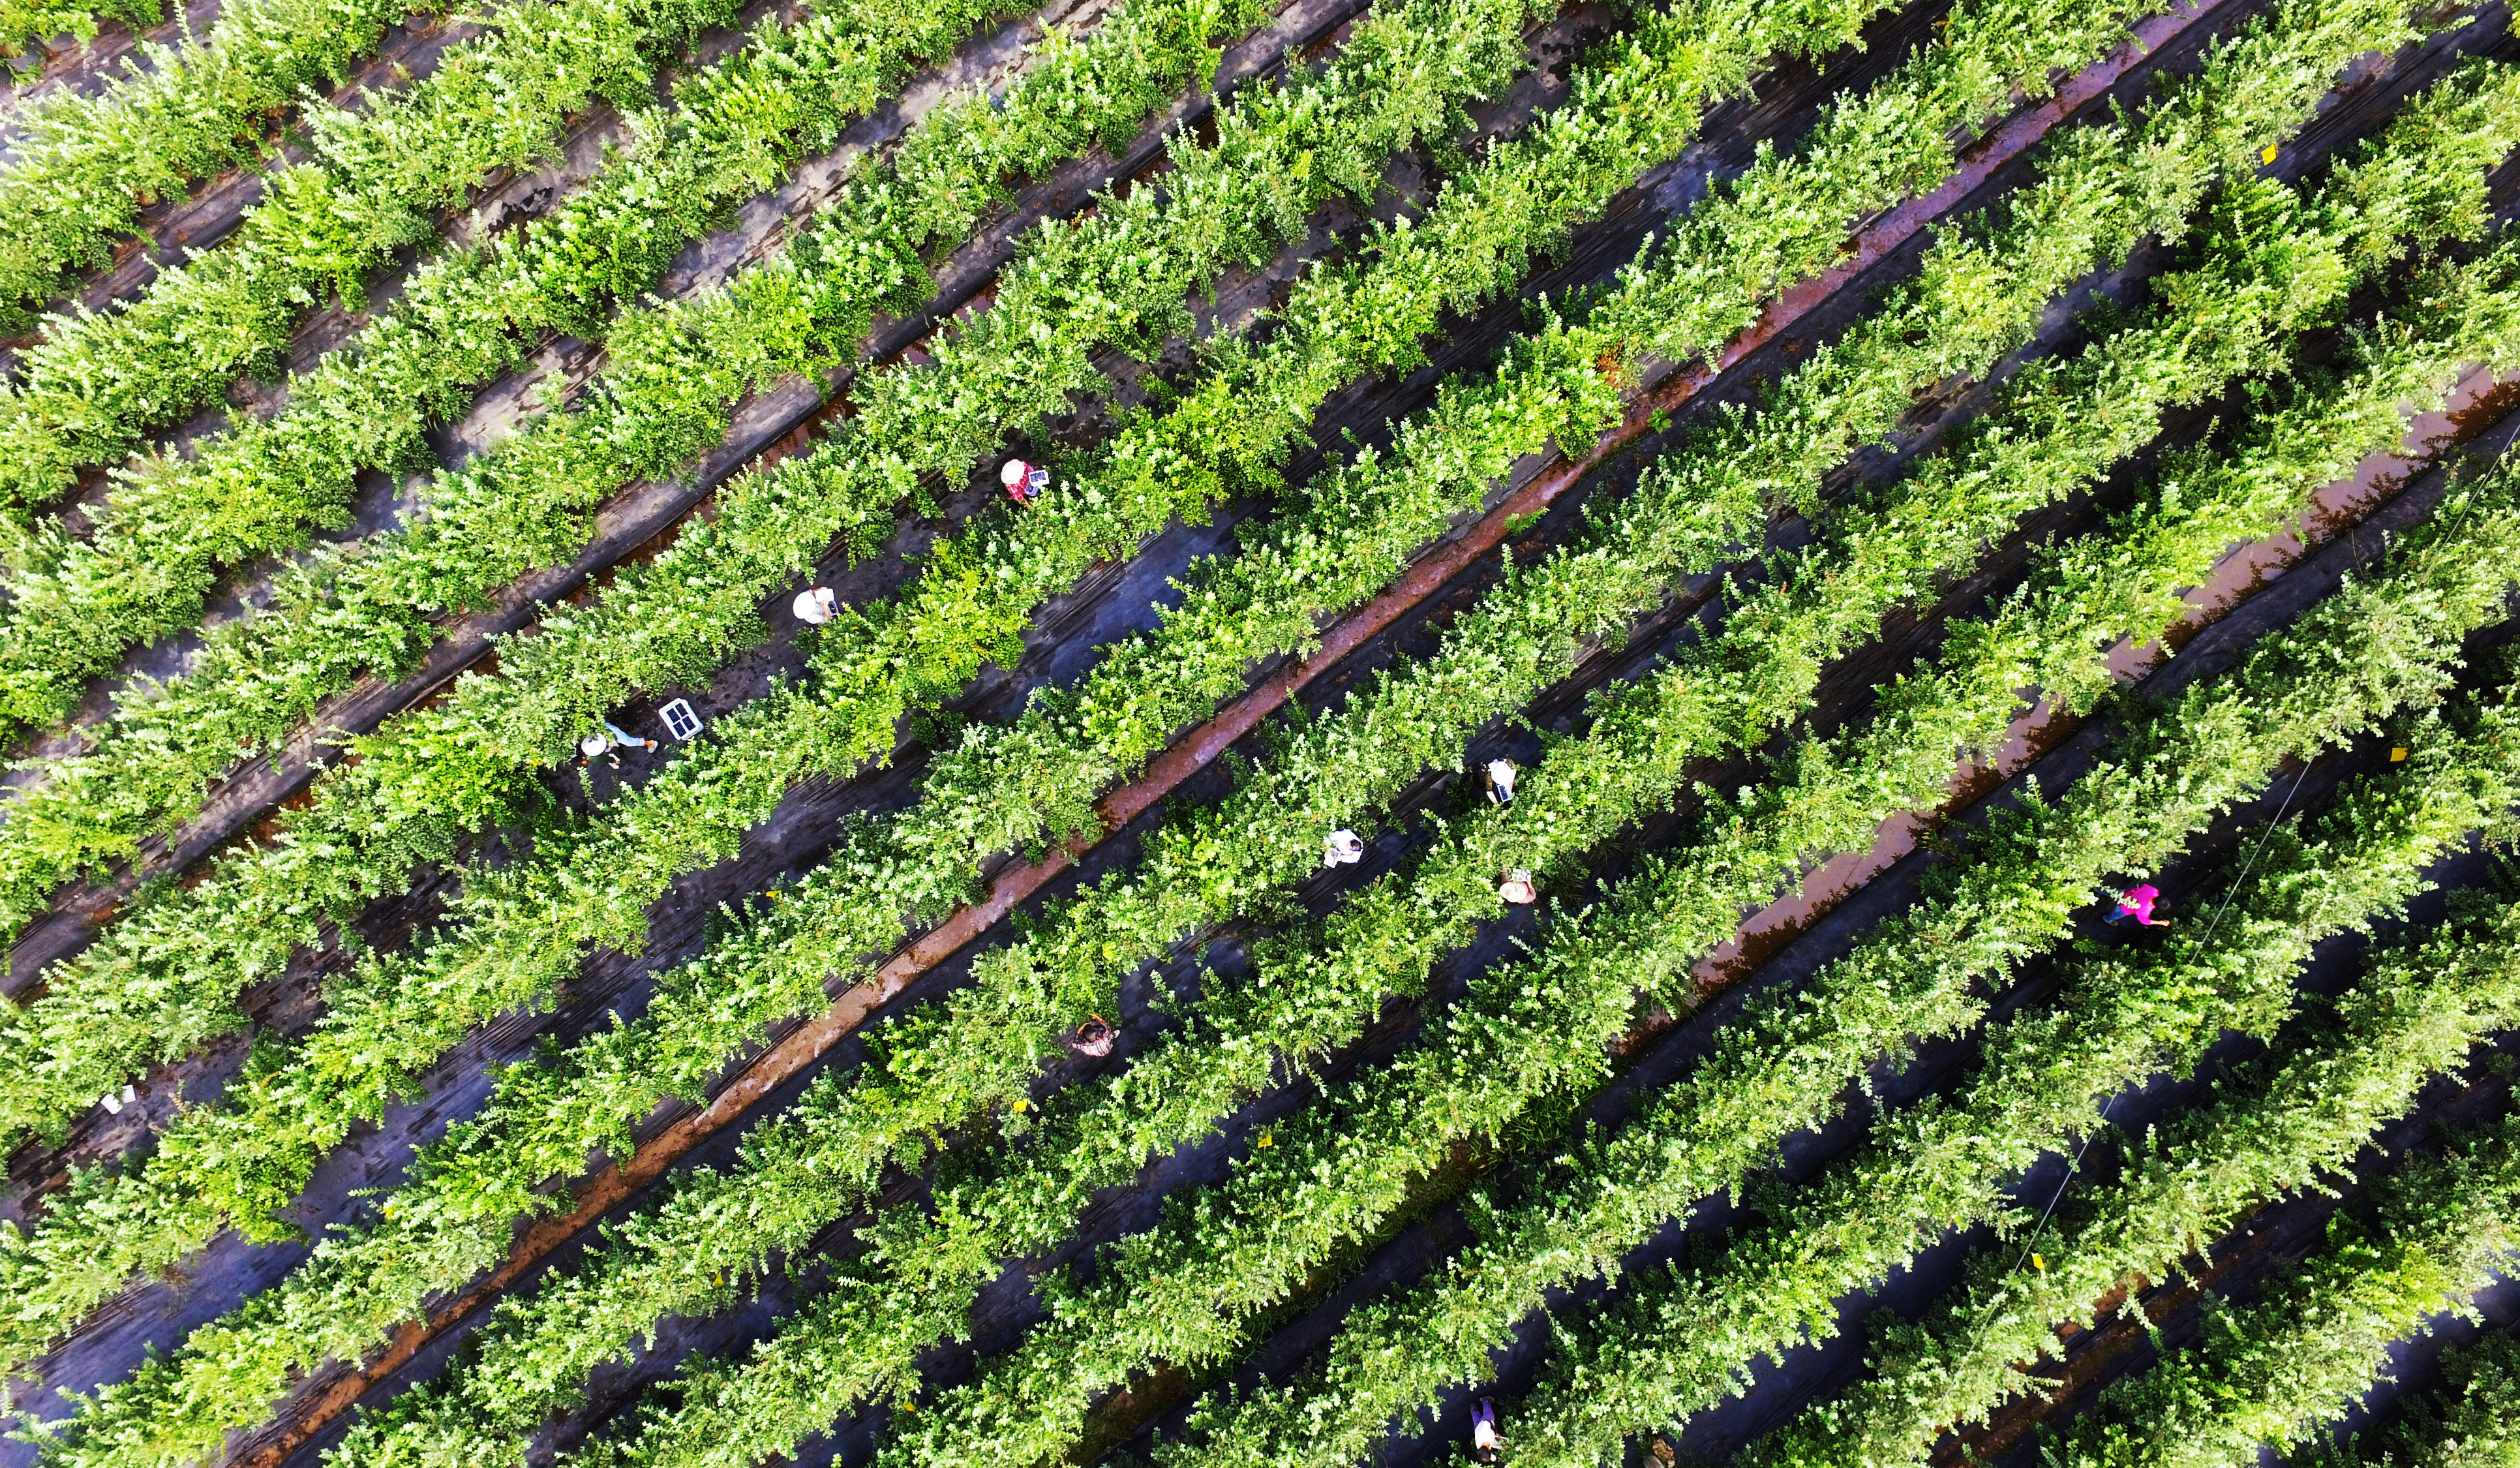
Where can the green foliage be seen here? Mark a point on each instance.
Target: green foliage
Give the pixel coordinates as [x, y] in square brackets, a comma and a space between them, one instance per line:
[254, 1155]
[432, 776]
[606, 1079]
[170, 524]
[35, 21]
[969, 1068]
[1185, 1294]
[674, 373]
[2471, 1421]
[2274, 1373]
[992, 1037]
[1488, 431]
[1072, 530]
[1788, 1061]
[1675, 1345]
[82, 166]
[2306, 1117]
[98, 380]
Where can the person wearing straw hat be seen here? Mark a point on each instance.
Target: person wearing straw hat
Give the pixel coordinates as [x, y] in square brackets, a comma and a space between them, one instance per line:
[1092, 1038]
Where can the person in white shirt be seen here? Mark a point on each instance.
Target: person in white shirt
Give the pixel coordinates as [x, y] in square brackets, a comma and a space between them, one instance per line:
[815, 607]
[1487, 1444]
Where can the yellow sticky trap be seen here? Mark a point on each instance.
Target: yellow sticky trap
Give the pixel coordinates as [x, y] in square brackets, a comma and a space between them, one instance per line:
[2037, 1264]
[2398, 756]
[2268, 155]
[1266, 1140]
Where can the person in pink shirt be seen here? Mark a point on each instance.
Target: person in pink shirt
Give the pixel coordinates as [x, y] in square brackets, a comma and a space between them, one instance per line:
[2136, 903]
[1024, 482]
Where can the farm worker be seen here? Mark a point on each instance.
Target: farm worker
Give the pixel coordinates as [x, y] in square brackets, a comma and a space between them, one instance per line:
[604, 743]
[1518, 887]
[1500, 782]
[815, 607]
[1024, 482]
[1486, 1443]
[2137, 905]
[1092, 1038]
[1342, 848]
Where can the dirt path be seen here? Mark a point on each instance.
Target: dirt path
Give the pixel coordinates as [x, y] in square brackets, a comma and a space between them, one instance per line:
[794, 838]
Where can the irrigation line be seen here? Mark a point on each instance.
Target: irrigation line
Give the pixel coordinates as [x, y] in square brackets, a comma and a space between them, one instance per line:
[2074, 1167]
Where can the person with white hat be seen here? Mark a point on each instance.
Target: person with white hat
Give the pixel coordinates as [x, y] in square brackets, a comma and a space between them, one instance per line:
[1500, 774]
[1518, 889]
[1342, 848]
[601, 744]
[1024, 482]
[815, 607]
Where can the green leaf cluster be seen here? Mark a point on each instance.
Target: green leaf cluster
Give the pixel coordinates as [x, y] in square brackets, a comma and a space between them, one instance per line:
[992, 1037]
[604, 1088]
[2472, 1420]
[2273, 1374]
[1185, 1296]
[85, 164]
[1788, 1061]
[1678, 1343]
[160, 982]
[2292, 1123]
[98, 380]
[674, 373]
[170, 524]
